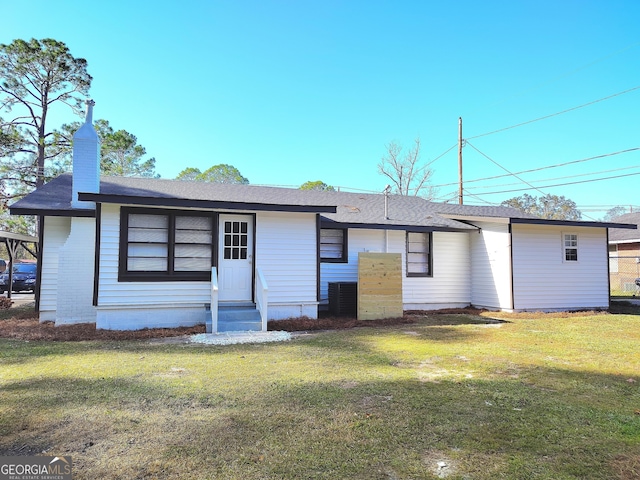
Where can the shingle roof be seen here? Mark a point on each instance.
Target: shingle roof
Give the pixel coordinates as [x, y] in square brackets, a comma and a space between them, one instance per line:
[479, 211]
[624, 235]
[356, 209]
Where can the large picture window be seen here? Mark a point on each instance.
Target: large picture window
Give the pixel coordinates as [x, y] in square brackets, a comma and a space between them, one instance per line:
[165, 245]
[333, 245]
[419, 254]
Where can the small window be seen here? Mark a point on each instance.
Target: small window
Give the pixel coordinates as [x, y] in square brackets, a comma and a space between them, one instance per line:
[418, 254]
[333, 245]
[236, 235]
[570, 247]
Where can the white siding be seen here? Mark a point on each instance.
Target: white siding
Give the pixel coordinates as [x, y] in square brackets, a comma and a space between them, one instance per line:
[543, 280]
[130, 317]
[112, 292]
[450, 285]
[358, 240]
[286, 253]
[491, 266]
[56, 231]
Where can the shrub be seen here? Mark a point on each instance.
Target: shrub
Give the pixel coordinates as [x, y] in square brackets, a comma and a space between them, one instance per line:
[5, 303]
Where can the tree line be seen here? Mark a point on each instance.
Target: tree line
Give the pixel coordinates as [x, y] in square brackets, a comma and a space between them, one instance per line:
[38, 77]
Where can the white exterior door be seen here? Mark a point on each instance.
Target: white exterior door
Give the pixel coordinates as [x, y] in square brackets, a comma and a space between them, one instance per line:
[235, 258]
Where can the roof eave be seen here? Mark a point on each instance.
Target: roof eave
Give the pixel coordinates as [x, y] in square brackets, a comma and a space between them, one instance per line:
[208, 204]
[571, 223]
[626, 241]
[475, 218]
[53, 212]
[18, 236]
[327, 223]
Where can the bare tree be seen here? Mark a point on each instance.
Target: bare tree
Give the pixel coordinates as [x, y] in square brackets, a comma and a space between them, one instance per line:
[405, 172]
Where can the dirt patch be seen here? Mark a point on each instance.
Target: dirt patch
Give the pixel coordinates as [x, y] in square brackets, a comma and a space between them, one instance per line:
[32, 330]
[626, 467]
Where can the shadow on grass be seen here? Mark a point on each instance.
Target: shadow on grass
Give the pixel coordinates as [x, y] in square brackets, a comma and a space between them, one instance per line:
[432, 327]
[547, 423]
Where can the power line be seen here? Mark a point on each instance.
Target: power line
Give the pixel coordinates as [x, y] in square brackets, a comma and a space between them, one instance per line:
[545, 168]
[478, 198]
[555, 114]
[506, 170]
[564, 184]
[568, 73]
[562, 178]
[442, 154]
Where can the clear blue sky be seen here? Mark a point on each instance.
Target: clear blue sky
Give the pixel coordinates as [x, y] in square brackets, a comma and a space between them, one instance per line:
[290, 91]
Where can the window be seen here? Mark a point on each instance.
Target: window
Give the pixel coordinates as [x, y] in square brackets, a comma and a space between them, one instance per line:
[419, 254]
[235, 240]
[570, 247]
[161, 245]
[333, 245]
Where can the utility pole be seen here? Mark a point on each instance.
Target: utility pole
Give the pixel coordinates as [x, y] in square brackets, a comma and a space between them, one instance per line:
[460, 198]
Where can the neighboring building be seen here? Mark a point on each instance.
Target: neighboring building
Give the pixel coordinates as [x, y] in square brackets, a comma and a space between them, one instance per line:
[131, 253]
[624, 256]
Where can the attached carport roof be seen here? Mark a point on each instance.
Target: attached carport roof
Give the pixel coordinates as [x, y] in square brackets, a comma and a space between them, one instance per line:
[13, 241]
[18, 237]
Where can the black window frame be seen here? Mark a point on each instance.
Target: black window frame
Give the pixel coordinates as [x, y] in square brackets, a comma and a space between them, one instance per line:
[170, 275]
[429, 272]
[344, 258]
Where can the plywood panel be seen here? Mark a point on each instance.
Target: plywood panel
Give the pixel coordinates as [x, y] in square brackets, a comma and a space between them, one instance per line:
[379, 285]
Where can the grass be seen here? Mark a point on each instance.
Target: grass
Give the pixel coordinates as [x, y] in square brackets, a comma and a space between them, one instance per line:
[536, 396]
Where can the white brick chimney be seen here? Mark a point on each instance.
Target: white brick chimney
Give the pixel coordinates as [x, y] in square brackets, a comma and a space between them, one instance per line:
[86, 160]
[74, 276]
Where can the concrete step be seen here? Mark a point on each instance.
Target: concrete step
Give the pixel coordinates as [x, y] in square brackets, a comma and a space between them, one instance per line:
[239, 326]
[239, 318]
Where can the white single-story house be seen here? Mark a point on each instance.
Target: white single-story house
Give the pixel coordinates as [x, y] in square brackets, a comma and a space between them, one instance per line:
[130, 253]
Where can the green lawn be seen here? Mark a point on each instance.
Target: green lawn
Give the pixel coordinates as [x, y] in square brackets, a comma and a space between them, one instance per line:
[546, 398]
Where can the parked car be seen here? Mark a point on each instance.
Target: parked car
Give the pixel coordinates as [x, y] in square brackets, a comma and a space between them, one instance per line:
[24, 278]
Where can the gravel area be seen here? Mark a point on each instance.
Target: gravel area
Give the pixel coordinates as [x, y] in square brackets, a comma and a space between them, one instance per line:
[232, 338]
